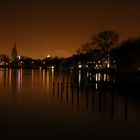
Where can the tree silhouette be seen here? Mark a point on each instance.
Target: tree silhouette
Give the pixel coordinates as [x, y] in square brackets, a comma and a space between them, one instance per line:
[85, 48]
[128, 55]
[105, 40]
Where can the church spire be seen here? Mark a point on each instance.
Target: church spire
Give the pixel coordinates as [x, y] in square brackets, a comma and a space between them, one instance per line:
[14, 52]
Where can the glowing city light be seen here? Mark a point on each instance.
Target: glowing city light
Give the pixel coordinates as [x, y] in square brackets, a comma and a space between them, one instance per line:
[80, 66]
[48, 56]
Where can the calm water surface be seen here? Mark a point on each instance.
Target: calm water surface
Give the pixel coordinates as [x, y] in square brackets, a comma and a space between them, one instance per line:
[40, 103]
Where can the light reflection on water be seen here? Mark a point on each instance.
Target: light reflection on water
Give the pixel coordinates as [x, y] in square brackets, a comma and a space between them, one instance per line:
[103, 77]
[44, 100]
[19, 79]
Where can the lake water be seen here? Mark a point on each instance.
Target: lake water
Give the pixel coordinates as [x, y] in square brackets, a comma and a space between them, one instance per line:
[44, 104]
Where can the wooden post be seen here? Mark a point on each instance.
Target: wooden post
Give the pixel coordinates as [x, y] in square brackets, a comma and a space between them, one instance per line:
[67, 91]
[112, 105]
[72, 90]
[100, 102]
[77, 91]
[53, 88]
[126, 113]
[87, 98]
[63, 83]
[93, 101]
[58, 90]
[61, 90]
[67, 87]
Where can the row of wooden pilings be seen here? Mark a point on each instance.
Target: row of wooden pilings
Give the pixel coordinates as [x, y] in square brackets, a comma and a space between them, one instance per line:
[69, 86]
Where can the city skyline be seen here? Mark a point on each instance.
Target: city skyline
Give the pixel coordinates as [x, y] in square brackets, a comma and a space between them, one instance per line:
[59, 28]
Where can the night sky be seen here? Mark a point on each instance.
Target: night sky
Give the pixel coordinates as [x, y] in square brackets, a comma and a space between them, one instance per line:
[60, 27]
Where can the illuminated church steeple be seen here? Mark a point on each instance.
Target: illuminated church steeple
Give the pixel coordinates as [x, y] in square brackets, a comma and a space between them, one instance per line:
[14, 53]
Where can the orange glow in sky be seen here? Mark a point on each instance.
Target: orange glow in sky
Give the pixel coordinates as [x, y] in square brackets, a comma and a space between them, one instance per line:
[59, 28]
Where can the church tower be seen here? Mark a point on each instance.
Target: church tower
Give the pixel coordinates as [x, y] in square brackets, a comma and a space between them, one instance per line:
[14, 53]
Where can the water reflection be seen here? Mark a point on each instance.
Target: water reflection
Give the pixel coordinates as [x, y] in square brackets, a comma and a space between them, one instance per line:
[3, 76]
[10, 79]
[44, 78]
[89, 98]
[52, 70]
[19, 79]
[103, 77]
[75, 101]
[32, 77]
[81, 91]
[79, 77]
[48, 79]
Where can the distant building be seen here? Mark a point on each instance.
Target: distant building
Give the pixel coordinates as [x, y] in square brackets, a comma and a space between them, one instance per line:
[4, 60]
[14, 52]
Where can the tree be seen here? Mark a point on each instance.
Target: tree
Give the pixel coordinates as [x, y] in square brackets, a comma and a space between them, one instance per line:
[85, 48]
[105, 40]
[128, 55]
[4, 58]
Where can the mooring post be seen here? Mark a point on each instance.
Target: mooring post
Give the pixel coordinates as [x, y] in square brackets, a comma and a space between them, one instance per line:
[67, 91]
[63, 82]
[100, 102]
[93, 101]
[61, 90]
[126, 113]
[53, 88]
[77, 92]
[112, 105]
[58, 90]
